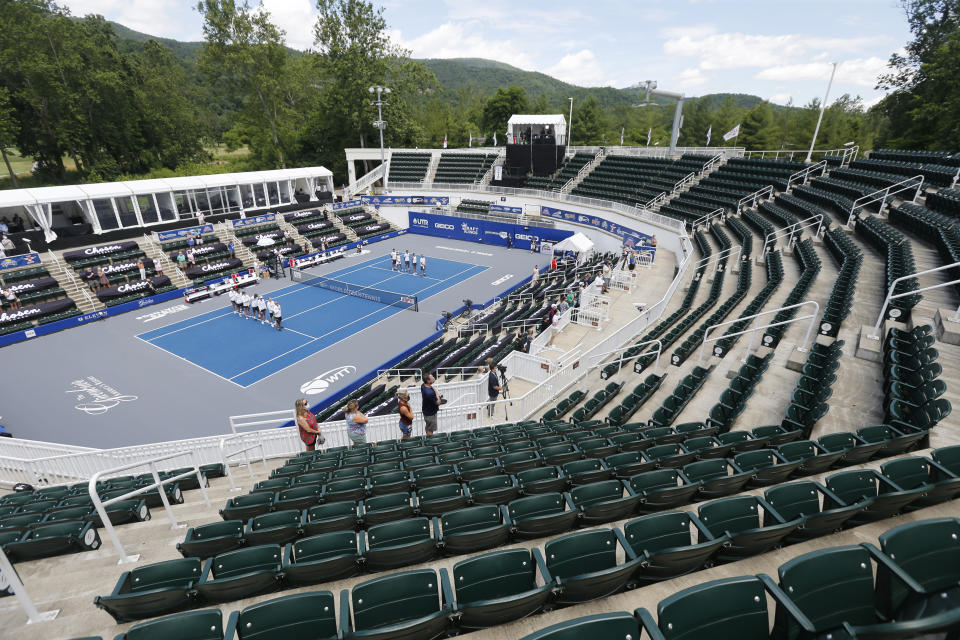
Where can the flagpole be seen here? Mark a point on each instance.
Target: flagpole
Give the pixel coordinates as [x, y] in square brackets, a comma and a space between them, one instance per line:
[823, 106]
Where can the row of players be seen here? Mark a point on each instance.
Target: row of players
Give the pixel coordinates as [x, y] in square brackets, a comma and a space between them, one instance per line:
[403, 263]
[256, 307]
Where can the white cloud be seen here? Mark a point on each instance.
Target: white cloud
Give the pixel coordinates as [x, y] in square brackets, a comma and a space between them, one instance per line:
[162, 18]
[296, 17]
[861, 72]
[780, 98]
[452, 40]
[581, 68]
[690, 78]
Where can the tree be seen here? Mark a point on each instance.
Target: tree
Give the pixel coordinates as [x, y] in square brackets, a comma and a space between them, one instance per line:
[757, 130]
[588, 123]
[501, 105]
[244, 48]
[8, 131]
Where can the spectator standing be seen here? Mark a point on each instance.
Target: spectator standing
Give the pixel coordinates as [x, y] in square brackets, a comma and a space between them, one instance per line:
[423, 265]
[554, 324]
[190, 240]
[3, 225]
[232, 249]
[429, 405]
[232, 294]
[310, 434]
[270, 311]
[277, 314]
[191, 258]
[143, 270]
[158, 266]
[536, 275]
[406, 414]
[553, 264]
[529, 340]
[104, 280]
[509, 241]
[7, 244]
[606, 273]
[493, 387]
[11, 297]
[247, 299]
[632, 261]
[356, 424]
[91, 278]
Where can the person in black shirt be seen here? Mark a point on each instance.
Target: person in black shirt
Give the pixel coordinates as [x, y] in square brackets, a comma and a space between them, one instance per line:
[429, 405]
[493, 387]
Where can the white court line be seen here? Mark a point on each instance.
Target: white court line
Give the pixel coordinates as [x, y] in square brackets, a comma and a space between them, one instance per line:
[342, 296]
[482, 269]
[202, 368]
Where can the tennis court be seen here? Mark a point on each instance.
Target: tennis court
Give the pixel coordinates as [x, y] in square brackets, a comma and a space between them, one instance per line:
[243, 351]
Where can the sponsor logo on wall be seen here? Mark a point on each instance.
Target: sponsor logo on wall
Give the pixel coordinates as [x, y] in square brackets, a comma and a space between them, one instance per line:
[94, 397]
[323, 381]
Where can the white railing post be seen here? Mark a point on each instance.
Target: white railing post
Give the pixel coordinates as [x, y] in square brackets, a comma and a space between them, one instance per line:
[802, 348]
[763, 192]
[874, 335]
[791, 231]
[916, 182]
[33, 615]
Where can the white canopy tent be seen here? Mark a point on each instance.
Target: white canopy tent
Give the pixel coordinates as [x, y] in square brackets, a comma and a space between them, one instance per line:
[553, 124]
[578, 243]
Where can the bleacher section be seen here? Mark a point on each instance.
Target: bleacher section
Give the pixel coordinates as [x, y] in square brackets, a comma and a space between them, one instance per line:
[568, 171]
[463, 167]
[408, 167]
[636, 180]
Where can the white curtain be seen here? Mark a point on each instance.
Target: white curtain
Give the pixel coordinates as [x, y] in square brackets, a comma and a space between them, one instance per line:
[43, 215]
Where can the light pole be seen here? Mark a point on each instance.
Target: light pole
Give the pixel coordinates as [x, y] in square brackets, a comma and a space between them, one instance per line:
[570, 124]
[823, 106]
[379, 123]
[650, 86]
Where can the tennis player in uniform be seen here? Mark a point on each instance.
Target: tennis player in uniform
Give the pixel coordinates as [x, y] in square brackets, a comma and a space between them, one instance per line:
[262, 308]
[277, 313]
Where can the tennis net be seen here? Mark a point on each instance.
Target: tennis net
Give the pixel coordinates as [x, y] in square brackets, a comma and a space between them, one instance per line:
[390, 298]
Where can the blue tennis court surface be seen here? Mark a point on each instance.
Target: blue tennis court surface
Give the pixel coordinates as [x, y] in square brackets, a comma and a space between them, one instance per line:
[245, 351]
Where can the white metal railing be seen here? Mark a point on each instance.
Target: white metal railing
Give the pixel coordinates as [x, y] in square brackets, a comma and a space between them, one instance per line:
[259, 419]
[708, 218]
[711, 163]
[366, 180]
[875, 334]
[27, 449]
[77, 288]
[753, 330]
[881, 195]
[100, 505]
[527, 366]
[753, 198]
[34, 616]
[792, 231]
[225, 457]
[660, 198]
[690, 177]
[600, 358]
[846, 154]
[803, 175]
[717, 257]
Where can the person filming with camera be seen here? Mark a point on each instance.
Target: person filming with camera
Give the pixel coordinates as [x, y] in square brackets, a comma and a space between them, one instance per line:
[493, 387]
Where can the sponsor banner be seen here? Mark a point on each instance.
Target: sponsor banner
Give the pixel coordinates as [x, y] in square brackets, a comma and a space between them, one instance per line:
[120, 267]
[269, 252]
[370, 228]
[212, 268]
[299, 215]
[273, 235]
[28, 286]
[486, 231]
[349, 204]
[35, 311]
[355, 217]
[128, 288]
[315, 226]
[177, 234]
[330, 238]
[629, 237]
[502, 208]
[311, 259]
[202, 250]
[401, 201]
[102, 250]
[254, 221]
[15, 262]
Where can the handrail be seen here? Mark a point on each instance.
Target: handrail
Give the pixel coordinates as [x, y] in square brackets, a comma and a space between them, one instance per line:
[791, 231]
[369, 178]
[916, 182]
[76, 286]
[619, 361]
[458, 371]
[690, 177]
[654, 201]
[26, 602]
[753, 330]
[100, 505]
[282, 416]
[762, 192]
[165, 260]
[224, 456]
[874, 335]
[805, 173]
[709, 164]
[716, 257]
[708, 217]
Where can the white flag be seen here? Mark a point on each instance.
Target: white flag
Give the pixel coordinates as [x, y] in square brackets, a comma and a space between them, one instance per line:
[444, 141]
[733, 133]
[621, 136]
[470, 144]
[649, 131]
[709, 131]
[494, 138]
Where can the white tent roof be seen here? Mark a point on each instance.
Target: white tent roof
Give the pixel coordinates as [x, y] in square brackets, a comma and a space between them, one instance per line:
[576, 242]
[555, 120]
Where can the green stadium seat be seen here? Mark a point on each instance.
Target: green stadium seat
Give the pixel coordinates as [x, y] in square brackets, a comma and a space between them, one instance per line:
[152, 590]
[498, 587]
[241, 573]
[299, 497]
[716, 477]
[387, 508]
[604, 501]
[320, 558]
[879, 497]
[813, 458]
[619, 625]
[811, 503]
[206, 624]
[479, 468]
[585, 471]
[671, 544]
[248, 506]
[662, 489]
[436, 500]
[54, 539]
[855, 450]
[399, 544]
[335, 516]
[208, 540]
[498, 489]
[585, 565]
[739, 518]
[541, 515]
[912, 472]
[766, 466]
[278, 527]
[435, 475]
[549, 479]
[474, 529]
[410, 604]
[301, 616]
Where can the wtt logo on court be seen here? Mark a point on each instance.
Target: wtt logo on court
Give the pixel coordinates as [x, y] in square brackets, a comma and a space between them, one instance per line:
[323, 381]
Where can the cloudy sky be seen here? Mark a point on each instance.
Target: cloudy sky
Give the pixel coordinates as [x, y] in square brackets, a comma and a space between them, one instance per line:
[777, 49]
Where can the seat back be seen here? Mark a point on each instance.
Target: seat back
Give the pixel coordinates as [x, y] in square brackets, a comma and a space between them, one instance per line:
[651, 480]
[206, 624]
[494, 575]
[596, 492]
[499, 481]
[389, 501]
[260, 558]
[798, 450]
[726, 608]
[581, 552]
[287, 518]
[735, 514]
[181, 573]
[394, 598]
[753, 460]
[853, 486]
[911, 472]
[295, 617]
[536, 505]
[794, 499]
[831, 586]
[325, 545]
[398, 533]
[948, 457]
[924, 550]
[658, 531]
[470, 519]
[331, 510]
[705, 469]
[440, 492]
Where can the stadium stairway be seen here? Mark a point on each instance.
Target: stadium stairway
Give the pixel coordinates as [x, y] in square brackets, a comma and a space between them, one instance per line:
[72, 284]
[583, 173]
[432, 169]
[153, 251]
[683, 189]
[293, 234]
[225, 235]
[488, 176]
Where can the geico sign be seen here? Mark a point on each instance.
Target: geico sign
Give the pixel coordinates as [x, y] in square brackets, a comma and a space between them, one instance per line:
[443, 225]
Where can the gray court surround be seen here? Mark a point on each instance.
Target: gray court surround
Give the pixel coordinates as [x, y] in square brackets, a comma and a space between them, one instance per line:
[98, 385]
